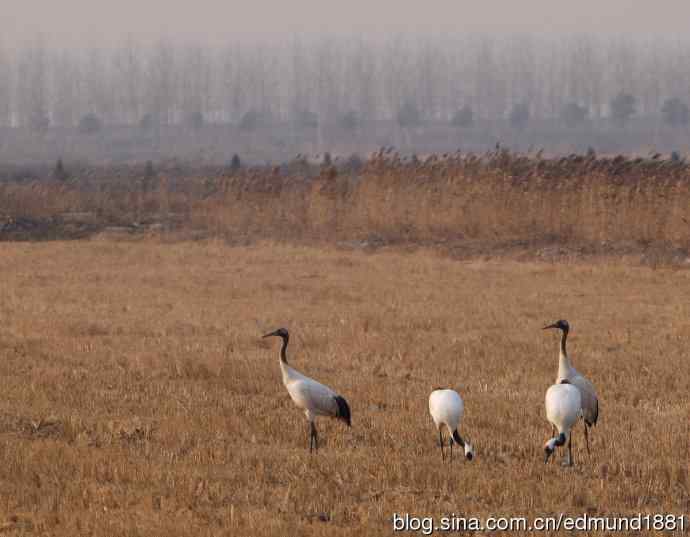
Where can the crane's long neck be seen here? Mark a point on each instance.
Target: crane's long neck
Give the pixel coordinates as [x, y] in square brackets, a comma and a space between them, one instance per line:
[283, 351]
[287, 372]
[564, 365]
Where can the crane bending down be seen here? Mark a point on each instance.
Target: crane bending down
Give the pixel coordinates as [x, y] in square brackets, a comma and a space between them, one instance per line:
[563, 408]
[566, 371]
[311, 396]
[446, 409]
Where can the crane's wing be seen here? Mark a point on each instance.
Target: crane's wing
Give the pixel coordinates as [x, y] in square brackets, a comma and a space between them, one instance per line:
[314, 396]
[590, 401]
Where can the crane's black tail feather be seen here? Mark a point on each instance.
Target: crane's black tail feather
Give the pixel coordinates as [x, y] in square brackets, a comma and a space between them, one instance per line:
[343, 410]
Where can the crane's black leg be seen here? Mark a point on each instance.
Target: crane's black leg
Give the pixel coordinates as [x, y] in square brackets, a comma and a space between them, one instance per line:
[569, 460]
[450, 442]
[587, 437]
[440, 440]
[313, 438]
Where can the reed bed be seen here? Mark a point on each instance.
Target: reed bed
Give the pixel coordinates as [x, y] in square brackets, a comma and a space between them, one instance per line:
[494, 198]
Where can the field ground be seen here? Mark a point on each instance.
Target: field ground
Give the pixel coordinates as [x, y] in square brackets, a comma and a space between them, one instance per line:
[138, 399]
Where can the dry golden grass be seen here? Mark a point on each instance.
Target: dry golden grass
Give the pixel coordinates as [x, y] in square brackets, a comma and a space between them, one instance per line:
[138, 399]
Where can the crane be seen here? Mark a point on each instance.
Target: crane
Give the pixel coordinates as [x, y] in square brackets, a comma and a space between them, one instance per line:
[563, 408]
[311, 396]
[446, 408]
[566, 371]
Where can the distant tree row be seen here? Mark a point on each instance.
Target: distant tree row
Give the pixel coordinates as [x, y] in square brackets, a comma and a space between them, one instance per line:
[623, 107]
[312, 82]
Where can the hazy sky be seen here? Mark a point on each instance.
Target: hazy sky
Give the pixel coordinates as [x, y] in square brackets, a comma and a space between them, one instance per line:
[213, 20]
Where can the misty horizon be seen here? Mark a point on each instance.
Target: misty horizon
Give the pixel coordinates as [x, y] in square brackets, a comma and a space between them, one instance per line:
[345, 77]
[82, 22]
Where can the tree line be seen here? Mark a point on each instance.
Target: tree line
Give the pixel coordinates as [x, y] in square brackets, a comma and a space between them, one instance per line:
[313, 81]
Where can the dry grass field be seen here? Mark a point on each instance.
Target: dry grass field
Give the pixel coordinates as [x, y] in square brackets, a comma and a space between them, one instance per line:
[138, 398]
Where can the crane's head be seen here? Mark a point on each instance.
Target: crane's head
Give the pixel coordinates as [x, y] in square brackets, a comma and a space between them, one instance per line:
[561, 325]
[281, 332]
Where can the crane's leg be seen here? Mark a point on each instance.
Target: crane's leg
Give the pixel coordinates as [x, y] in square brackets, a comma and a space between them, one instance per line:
[313, 437]
[450, 442]
[440, 439]
[587, 437]
[569, 460]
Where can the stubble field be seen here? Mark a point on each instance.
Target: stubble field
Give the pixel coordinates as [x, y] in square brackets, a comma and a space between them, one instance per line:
[138, 398]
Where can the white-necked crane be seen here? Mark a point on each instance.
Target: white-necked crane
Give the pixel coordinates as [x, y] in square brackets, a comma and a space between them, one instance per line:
[563, 408]
[566, 371]
[446, 409]
[312, 397]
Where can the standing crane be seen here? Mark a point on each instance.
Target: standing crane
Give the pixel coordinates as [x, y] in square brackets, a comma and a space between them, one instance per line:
[563, 407]
[446, 409]
[312, 397]
[566, 371]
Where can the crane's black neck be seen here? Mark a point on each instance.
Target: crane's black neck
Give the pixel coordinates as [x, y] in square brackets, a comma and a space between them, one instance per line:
[564, 337]
[283, 350]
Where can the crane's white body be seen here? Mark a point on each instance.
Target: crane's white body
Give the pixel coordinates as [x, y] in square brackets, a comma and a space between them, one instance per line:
[446, 408]
[312, 397]
[590, 402]
[563, 407]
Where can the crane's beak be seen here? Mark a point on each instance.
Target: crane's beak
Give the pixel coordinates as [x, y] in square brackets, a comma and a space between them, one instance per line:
[554, 325]
[271, 334]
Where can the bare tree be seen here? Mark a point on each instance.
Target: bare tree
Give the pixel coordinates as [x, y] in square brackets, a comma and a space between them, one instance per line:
[98, 90]
[195, 86]
[553, 79]
[623, 66]
[521, 70]
[328, 71]
[128, 81]
[364, 81]
[31, 89]
[299, 76]
[426, 74]
[65, 81]
[260, 85]
[161, 84]
[231, 83]
[6, 104]
[490, 92]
